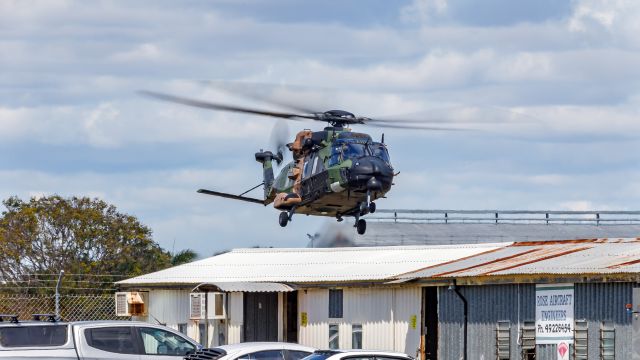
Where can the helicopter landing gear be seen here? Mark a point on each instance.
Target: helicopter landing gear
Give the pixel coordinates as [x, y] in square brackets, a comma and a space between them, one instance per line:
[372, 207]
[283, 219]
[286, 216]
[361, 226]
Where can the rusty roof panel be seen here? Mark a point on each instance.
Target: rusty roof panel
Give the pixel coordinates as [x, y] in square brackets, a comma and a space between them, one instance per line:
[589, 256]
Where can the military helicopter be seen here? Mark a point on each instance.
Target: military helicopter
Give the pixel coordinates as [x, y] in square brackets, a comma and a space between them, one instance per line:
[335, 172]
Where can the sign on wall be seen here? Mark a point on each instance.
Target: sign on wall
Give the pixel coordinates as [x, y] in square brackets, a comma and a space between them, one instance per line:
[554, 313]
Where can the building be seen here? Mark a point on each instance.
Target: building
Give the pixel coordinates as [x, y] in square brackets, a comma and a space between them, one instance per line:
[525, 299]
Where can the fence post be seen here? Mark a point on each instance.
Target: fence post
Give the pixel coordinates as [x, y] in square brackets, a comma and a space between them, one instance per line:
[58, 294]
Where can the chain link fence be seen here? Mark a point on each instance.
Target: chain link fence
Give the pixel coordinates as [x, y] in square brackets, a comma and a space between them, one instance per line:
[72, 307]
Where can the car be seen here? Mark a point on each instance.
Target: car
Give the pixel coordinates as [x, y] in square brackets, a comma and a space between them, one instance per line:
[254, 351]
[357, 355]
[118, 339]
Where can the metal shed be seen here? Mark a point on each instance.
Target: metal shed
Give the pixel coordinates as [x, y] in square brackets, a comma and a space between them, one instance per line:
[500, 288]
[411, 298]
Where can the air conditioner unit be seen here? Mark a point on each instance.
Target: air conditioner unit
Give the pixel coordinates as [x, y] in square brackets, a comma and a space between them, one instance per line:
[197, 306]
[216, 305]
[122, 304]
[130, 304]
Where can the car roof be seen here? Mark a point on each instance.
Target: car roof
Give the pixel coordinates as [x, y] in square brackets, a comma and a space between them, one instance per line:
[258, 346]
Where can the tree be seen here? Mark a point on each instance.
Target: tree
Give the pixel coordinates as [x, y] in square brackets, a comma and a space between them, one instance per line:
[78, 235]
[183, 257]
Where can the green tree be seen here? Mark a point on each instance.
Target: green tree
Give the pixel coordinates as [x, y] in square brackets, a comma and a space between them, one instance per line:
[183, 257]
[79, 235]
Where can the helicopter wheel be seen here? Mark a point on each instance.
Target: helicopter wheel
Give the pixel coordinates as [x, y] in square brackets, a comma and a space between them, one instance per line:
[283, 219]
[361, 226]
[372, 207]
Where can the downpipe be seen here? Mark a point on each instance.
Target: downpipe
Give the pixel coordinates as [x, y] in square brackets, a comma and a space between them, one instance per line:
[455, 289]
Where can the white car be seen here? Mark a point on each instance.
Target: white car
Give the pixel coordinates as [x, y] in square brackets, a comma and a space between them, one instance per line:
[357, 355]
[254, 351]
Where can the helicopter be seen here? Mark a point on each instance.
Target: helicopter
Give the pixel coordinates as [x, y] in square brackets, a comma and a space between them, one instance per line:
[335, 172]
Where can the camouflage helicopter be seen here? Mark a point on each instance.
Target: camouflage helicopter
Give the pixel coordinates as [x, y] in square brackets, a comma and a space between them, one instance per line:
[335, 172]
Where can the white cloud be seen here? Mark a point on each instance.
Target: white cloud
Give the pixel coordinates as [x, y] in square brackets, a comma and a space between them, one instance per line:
[423, 11]
[71, 69]
[143, 52]
[614, 19]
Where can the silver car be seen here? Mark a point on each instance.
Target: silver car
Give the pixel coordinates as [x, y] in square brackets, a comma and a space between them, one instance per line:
[92, 340]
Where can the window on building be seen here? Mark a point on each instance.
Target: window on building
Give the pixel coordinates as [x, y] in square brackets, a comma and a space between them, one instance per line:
[607, 341]
[334, 336]
[335, 303]
[528, 340]
[182, 328]
[580, 340]
[503, 340]
[356, 336]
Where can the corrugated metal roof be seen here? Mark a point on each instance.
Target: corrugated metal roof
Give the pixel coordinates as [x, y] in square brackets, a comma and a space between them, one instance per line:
[304, 265]
[593, 256]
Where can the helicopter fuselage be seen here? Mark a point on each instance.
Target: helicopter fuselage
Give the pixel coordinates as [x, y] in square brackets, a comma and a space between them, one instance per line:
[334, 172]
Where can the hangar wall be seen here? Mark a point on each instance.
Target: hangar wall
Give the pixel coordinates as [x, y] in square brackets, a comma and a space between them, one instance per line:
[488, 304]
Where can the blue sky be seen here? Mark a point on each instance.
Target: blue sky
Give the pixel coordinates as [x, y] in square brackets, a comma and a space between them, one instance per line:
[560, 79]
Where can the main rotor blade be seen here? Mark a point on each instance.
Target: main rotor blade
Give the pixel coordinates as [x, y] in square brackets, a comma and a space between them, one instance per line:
[248, 90]
[416, 127]
[215, 106]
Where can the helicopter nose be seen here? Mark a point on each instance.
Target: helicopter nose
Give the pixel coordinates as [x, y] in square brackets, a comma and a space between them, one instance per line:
[371, 173]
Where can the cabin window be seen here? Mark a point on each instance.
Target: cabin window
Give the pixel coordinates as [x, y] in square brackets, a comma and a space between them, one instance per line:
[335, 303]
[308, 166]
[318, 165]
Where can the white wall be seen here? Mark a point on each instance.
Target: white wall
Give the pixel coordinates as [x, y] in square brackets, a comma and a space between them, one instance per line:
[384, 313]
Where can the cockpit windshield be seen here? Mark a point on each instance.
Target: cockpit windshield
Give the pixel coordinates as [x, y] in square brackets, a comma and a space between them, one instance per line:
[380, 151]
[343, 150]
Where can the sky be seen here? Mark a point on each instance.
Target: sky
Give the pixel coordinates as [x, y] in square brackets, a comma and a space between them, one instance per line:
[550, 90]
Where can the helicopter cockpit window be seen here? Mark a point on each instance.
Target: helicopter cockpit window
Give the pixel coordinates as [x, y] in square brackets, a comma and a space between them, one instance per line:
[380, 151]
[347, 150]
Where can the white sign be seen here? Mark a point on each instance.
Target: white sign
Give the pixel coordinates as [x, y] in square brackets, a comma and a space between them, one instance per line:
[554, 314]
